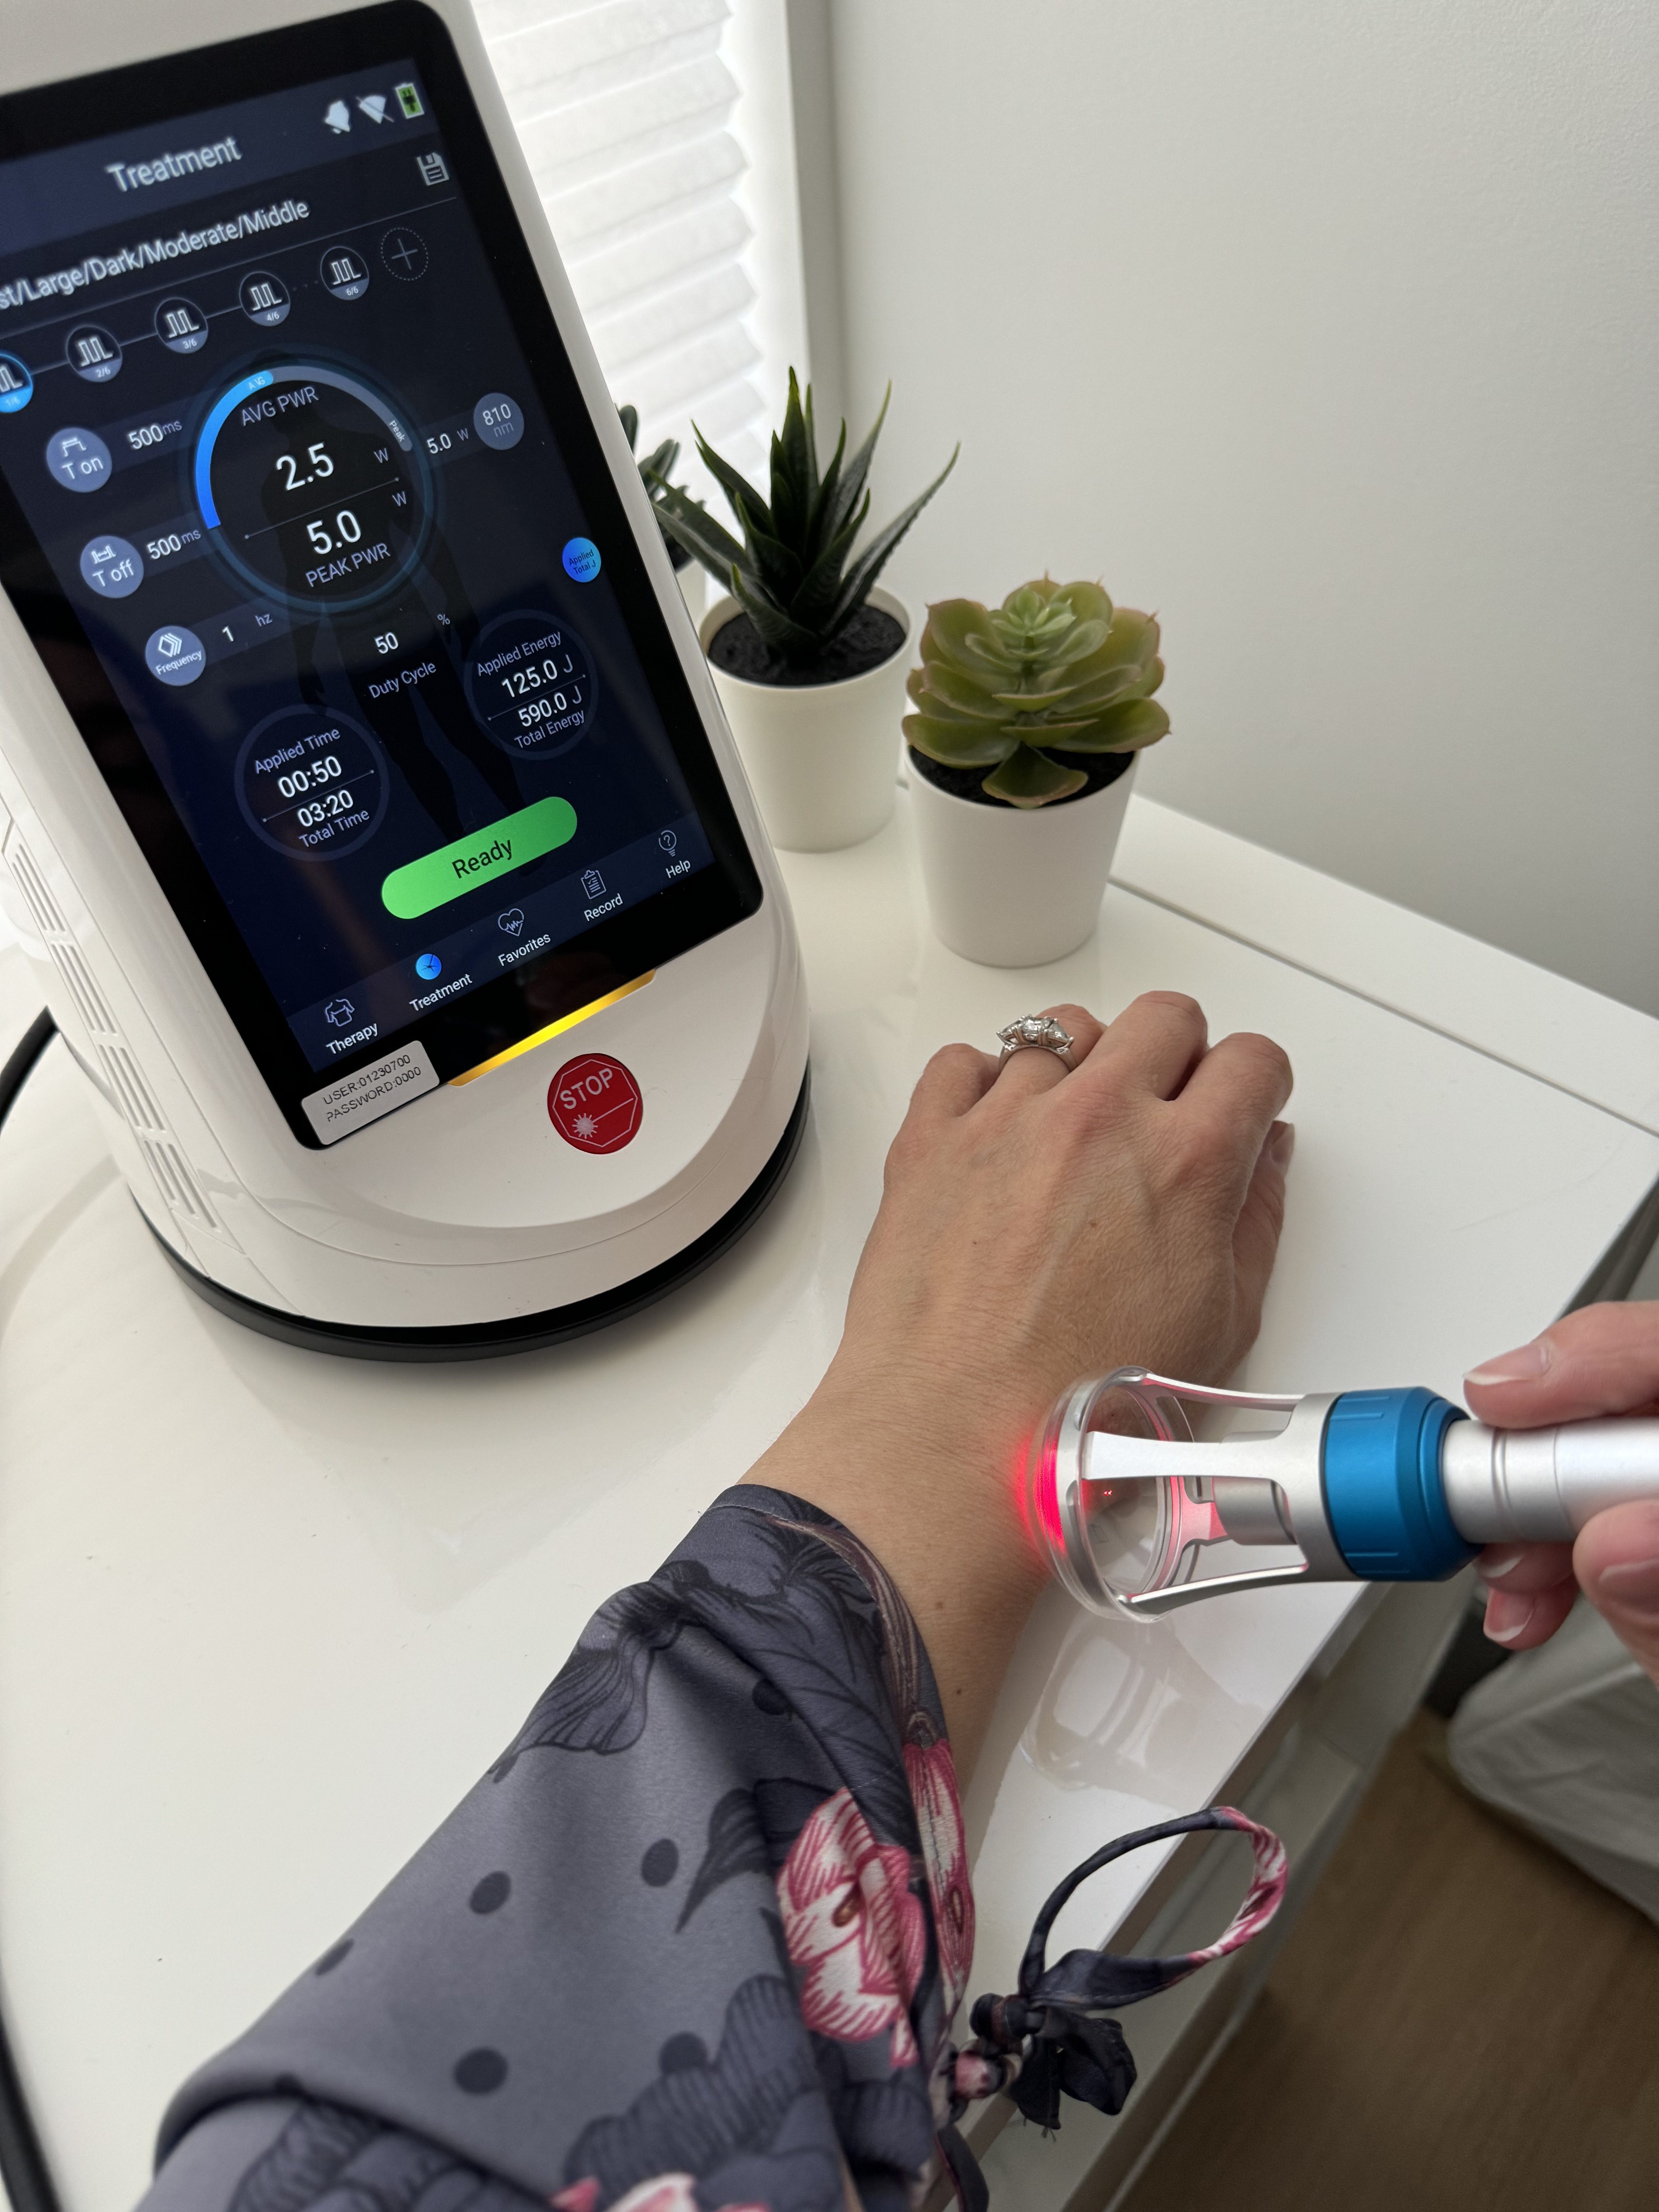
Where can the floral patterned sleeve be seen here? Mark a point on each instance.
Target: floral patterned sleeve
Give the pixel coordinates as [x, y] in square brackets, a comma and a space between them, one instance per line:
[694, 1943]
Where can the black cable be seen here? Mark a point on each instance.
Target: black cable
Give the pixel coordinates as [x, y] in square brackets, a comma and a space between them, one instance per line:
[22, 2162]
[17, 1069]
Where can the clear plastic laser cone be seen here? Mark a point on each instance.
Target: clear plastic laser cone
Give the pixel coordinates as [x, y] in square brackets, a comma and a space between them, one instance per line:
[1108, 1539]
[1137, 1513]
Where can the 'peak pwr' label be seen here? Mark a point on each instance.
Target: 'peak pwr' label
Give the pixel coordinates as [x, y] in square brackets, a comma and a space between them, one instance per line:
[595, 1104]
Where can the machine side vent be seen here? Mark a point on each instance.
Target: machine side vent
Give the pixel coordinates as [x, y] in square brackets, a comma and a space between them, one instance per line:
[127, 1089]
[130, 1088]
[160, 1168]
[178, 1185]
[32, 884]
[89, 998]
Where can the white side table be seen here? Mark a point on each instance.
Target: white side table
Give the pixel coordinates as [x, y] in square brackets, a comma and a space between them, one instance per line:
[264, 1615]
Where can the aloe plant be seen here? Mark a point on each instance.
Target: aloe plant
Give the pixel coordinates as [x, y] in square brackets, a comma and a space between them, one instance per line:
[655, 468]
[790, 573]
[1055, 666]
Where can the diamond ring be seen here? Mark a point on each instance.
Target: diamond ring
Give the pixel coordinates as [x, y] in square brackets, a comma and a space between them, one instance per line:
[1037, 1033]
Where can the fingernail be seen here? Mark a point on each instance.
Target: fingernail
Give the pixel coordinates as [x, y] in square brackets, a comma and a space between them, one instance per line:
[1281, 1143]
[1525, 1364]
[1492, 1566]
[1507, 1614]
[1631, 1583]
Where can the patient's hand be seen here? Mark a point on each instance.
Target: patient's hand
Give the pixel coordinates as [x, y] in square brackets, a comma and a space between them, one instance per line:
[1603, 1359]
[1035, 1227]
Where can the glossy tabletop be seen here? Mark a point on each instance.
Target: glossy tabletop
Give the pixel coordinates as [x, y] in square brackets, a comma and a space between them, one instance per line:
[264, 1615]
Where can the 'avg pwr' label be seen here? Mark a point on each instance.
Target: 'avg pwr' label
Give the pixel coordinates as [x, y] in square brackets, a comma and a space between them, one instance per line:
[595, 1104]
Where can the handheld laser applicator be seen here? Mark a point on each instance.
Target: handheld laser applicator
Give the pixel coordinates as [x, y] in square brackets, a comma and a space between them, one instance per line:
[1138, 1515]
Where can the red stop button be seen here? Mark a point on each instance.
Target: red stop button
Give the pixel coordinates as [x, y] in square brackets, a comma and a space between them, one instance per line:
[595, 1104]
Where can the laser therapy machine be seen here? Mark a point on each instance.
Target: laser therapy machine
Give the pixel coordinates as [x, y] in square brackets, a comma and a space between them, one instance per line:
[360, 773]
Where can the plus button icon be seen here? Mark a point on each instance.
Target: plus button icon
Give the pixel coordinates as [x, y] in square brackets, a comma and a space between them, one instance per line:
[405, 254]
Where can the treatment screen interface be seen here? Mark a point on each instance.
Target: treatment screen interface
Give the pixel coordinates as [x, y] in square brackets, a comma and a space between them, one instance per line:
[263, 408]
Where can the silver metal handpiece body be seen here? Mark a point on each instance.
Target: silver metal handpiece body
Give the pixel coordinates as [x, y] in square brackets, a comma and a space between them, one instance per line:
[1139, 1514]
[1541, 1485]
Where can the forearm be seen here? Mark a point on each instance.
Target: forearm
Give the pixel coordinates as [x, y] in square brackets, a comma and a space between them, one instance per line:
[689, 1921]
[939, 1504]
[1035, 1226]
[700, 1935]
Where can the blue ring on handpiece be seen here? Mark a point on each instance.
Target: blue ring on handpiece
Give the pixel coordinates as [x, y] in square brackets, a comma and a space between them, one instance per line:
[1384, 1496]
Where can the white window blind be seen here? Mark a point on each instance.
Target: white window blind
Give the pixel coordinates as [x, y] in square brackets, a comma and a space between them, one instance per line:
[624, 109]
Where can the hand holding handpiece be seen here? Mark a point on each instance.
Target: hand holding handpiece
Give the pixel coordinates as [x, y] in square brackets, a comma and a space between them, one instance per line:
[1600, 1360]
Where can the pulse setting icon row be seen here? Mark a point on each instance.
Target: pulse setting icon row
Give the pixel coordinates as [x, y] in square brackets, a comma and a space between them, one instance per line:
[96, 356]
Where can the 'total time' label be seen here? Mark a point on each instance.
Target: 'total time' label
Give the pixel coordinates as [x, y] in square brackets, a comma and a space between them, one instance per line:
[595, 1104]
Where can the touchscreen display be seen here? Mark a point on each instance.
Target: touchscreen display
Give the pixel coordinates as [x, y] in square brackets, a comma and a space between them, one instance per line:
[308, 517]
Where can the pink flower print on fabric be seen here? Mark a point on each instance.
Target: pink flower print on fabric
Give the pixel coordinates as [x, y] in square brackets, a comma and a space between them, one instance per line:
[932, 1773]
[1269, 1869]
[974, 2075]
[854, 1928]
[667, 2192]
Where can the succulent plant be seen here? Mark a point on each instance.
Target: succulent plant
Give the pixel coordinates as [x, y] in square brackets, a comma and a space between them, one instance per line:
[790, 574]
[1055, 665]
[655, 469]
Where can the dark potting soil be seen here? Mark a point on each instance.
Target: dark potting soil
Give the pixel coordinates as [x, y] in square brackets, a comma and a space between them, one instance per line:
[869, 639]
[1101, 769]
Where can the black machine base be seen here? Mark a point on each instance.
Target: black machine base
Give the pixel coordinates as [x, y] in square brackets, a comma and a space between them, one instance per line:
[494, 1340]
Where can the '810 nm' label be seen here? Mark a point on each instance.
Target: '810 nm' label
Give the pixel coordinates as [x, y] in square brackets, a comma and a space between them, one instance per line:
[595, 1104]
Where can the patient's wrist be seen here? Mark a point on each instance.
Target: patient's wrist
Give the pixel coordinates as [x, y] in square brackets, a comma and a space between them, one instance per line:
[936, 1496]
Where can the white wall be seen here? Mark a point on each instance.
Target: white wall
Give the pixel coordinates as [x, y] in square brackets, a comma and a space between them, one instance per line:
[1327, 332]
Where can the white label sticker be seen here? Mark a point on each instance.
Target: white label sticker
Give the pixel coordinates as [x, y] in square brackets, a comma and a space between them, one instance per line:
[354, 1099]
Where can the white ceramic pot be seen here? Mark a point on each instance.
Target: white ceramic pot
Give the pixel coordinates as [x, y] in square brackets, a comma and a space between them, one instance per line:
[1014, 886]
[821, 757]
[693, 581]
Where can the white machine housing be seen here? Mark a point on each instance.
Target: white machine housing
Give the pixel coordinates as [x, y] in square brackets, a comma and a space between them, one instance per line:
[466, 1208]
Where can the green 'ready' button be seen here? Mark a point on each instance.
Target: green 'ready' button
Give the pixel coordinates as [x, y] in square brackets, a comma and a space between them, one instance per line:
[419, 885]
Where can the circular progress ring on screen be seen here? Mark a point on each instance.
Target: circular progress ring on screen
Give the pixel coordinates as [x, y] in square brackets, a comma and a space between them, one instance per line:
[312, 783]
[312, 487]
[530, 683]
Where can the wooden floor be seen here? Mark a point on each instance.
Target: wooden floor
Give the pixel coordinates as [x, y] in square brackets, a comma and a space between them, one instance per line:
[1460, 2021]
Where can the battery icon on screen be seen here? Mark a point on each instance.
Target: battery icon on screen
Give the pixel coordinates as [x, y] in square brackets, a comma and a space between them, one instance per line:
[408, 100]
